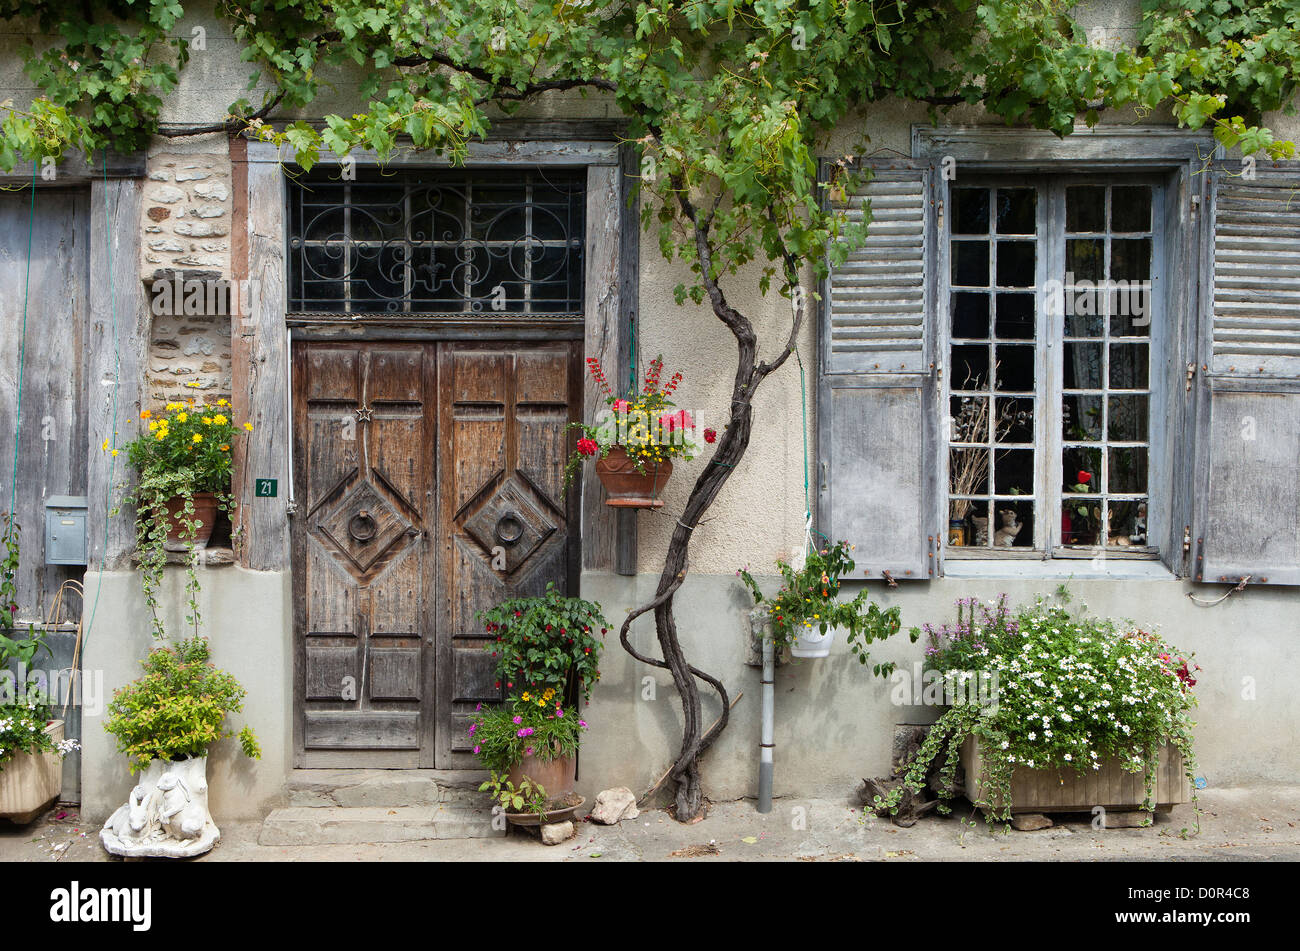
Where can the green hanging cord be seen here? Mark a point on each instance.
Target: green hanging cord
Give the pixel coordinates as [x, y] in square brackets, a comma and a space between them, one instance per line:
[631, 373]
[117, 381]
[22, 354]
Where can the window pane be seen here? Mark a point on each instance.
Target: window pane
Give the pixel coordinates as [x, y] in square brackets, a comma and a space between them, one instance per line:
[1083, 366]
[1013, 472]
[1016, 210]
[1015, 368]
[970, 419]
[970, 314]
[969, 471]
[1079, 520]
[1015, 263]
[1081, 418]
[1128, 366]
[970, 367]
[1085, 259]
[972, 523]
[1127, 418]
[970, 263]
[1128, 523]
[1085, 208]
[1128, 469]
[1015, 524]
[1130, 259]
[1130, 311]
[1015, 318]
[1130, 208]
[970, 211]
[1015, 420]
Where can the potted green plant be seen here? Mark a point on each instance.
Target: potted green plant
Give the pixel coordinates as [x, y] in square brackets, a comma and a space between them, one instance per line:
[32, 746]
[806, 612]
[165, 723]
[183, 458]
[1057, 711]
[547, 652]
[634, 445]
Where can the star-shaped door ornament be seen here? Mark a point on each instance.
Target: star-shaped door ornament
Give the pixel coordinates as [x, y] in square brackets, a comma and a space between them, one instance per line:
[363, 414]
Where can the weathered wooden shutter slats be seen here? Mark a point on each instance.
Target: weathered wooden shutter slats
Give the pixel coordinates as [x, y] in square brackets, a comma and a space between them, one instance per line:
[875, 407]
[877, 297]
[1255, 325]
[1248, 499]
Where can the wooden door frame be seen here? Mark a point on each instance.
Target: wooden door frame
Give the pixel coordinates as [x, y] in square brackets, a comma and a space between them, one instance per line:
[261, 349]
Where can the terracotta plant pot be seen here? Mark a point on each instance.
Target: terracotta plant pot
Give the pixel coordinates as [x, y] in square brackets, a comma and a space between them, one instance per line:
[557, 777]
[205, 511]
[628, 488]
[31, 782]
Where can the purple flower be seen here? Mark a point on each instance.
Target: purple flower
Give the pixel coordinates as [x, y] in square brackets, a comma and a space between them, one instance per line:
[477, 748]
[521, 733]
[559, 713]
[472, 728]
[583, 724]
[529, 751]
[519, 719]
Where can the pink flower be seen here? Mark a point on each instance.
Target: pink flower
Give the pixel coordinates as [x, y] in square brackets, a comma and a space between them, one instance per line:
[588, 447]
[678, 420]
[583, 724]
[472, 728]
[519, 719]
[477, 748]
[529, 751]
[621, 406]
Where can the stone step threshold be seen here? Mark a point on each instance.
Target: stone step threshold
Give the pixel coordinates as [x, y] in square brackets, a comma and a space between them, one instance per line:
[325, 788]
[358, 825]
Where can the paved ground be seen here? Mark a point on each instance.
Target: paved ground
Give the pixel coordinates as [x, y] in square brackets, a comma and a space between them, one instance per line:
[1243, 824]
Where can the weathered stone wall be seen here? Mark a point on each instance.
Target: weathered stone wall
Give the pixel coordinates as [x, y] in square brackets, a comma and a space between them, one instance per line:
[187, 220]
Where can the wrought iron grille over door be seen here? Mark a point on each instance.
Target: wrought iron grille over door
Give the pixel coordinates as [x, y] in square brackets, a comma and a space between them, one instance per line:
[441, 242]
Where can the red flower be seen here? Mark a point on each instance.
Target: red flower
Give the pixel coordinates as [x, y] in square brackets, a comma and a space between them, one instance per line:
[680, 419]
[710, 435]
[1084, 477]
[588, 447]
[621, 406]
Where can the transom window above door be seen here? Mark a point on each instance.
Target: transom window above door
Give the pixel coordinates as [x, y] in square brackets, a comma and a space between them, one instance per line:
[1051, 318]
[437, 242]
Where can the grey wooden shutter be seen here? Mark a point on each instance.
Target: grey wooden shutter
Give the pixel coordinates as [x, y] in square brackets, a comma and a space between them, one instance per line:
[876, 413]
[1248, 414]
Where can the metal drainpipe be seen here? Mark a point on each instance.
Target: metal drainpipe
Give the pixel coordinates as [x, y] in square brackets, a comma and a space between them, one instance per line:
[766, 744]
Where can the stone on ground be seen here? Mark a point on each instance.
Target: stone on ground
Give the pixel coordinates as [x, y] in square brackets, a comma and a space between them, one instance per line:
[614, 805]
[553, 833]
[1030, 822]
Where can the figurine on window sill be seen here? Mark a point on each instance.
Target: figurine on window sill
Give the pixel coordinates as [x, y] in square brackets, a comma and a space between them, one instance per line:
[1010, 528]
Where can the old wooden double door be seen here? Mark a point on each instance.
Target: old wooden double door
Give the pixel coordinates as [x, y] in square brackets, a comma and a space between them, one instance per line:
[429, 484]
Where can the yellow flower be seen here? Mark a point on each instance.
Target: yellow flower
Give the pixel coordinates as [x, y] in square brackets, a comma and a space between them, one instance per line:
[527, 695]
[115, 452]
[222, 403]
[161, 434]
[549, 694]
[224, 448]
[193, 383]
[220, 420]
[105, 445]
[145, 414]
[198, 438]
[153, 424]
[173, 406]
[207, 420]
[181, 417]
[248, 426]
[541, 702]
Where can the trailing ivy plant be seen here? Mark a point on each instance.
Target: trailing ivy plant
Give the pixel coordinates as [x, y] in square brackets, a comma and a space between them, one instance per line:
[730, 104]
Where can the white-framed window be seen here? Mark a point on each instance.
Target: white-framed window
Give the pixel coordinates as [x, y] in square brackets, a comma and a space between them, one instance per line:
[1050, 306]
[1099, 334]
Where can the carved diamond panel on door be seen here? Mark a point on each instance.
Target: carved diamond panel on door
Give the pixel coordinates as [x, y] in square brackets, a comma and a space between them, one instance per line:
[504, 516]
[365, 418]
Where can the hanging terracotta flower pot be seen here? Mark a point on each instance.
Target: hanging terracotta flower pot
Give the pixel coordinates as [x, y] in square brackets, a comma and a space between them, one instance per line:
[629, 488]
[205, 512]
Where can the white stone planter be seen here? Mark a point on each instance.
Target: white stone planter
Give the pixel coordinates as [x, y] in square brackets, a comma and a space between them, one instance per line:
[31, 782]
[166, 815]
[813, 644]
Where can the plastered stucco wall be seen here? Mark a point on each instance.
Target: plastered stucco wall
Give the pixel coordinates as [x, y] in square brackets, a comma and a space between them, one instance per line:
[833, 719]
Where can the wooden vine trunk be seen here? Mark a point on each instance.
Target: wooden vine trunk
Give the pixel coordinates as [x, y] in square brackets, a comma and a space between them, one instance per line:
[1068, 790]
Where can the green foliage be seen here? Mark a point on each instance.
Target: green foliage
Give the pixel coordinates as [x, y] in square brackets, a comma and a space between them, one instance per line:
[1069, 692]
[184, 450]
[809, 599]
[529, 797]
[526, 725]
[178, 708]
[9, 540]
[546, 643]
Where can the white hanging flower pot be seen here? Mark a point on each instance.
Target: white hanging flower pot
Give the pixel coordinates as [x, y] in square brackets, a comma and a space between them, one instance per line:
[811, 642]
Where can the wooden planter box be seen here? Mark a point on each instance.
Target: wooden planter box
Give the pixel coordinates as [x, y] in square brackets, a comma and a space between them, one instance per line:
[30, 783]
[1068, 790]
